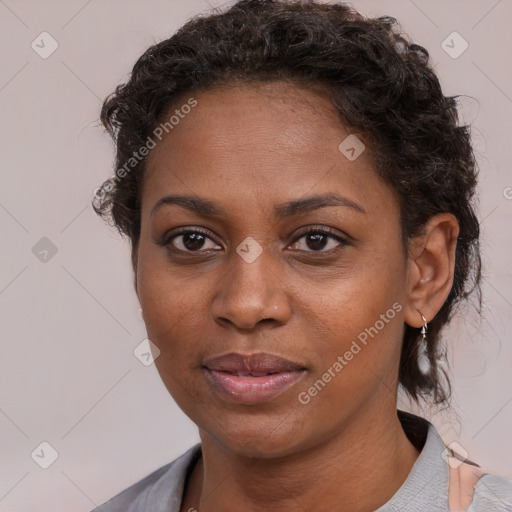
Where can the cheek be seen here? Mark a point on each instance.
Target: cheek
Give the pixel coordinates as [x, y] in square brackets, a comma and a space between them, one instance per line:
[363, 325]
[356, 356]
[173, 322]
[164, 294]
[353, 296]
[171, 305]
[358, 315]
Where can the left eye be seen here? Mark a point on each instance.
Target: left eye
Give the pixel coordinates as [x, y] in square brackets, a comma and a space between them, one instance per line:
[318, 240]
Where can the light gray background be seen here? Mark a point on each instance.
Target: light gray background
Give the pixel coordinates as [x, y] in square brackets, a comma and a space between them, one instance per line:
[68, 375]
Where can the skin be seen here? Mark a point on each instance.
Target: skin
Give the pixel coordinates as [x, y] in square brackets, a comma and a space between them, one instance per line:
[248, 149]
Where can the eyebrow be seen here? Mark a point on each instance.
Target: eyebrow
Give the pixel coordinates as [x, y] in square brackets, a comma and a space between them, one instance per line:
[206, 208]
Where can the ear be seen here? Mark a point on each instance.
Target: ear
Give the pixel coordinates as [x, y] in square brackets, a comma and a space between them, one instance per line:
[431, 264]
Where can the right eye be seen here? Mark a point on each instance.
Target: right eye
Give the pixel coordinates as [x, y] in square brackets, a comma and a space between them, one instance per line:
[189, 240]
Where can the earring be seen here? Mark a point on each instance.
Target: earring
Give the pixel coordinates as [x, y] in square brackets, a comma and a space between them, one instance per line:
[423, 360]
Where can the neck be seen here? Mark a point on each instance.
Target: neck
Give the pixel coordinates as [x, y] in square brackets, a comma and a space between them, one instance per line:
[362, 468]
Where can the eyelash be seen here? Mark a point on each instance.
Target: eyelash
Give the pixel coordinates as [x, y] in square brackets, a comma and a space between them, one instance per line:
[167, 240]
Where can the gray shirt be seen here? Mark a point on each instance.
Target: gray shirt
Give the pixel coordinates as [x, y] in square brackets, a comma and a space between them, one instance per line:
[424, 490]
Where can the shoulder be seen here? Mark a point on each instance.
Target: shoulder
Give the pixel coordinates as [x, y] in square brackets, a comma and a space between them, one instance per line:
[160, 491]
[492, 493]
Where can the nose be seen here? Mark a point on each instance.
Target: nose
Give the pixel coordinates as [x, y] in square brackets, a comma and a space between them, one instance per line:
[251, 293]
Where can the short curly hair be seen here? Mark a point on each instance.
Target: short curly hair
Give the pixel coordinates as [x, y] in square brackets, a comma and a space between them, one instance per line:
[383, 88]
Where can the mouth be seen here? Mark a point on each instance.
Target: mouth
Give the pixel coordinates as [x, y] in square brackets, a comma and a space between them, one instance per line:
[251, 379]
[248, 373]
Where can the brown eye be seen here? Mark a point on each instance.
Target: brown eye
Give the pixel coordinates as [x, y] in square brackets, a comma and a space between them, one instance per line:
[317, 240]
[190, 241]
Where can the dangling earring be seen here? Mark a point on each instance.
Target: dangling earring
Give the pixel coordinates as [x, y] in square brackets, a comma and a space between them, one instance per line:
[423, 360]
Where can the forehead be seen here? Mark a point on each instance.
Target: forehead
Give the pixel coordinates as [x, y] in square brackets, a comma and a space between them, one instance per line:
[274, 139]
[278, 115]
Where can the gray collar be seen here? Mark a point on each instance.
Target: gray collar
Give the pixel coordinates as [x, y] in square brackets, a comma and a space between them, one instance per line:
[426, 486]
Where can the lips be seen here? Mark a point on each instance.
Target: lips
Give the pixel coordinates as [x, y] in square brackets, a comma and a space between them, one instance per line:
[252, 378]
[256, 364]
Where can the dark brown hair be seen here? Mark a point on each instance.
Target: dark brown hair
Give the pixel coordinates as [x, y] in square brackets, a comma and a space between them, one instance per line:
[383, 88]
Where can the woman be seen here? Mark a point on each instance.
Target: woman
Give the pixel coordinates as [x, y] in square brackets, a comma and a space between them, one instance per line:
[298, 196]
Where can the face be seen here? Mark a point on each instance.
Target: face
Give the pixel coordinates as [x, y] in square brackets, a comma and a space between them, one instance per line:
[276, 298]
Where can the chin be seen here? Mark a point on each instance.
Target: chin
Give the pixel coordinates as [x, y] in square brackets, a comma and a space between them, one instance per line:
[256, 437]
